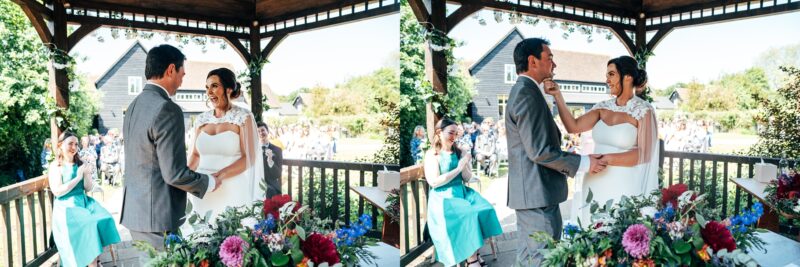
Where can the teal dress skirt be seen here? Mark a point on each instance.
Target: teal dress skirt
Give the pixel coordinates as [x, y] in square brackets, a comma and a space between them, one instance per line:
[81, 226]
[459, 219]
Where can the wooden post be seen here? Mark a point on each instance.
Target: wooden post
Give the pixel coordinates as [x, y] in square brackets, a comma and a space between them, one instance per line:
[255, 77]
[641, 37]
[436, 61]
[59, 82]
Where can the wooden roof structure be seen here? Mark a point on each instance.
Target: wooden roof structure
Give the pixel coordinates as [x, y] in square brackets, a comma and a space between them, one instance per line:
[242, 23]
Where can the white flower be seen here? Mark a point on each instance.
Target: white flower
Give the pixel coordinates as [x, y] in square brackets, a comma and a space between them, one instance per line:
[249, 222]
[324, 264]
[648, 212]
[287, 210]
[275, 242]
[676, 230]
[685, 199]
[268, 152]
[797, 207]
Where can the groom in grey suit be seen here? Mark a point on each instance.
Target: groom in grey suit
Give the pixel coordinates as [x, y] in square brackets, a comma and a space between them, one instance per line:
[156, 175]
[537, 167]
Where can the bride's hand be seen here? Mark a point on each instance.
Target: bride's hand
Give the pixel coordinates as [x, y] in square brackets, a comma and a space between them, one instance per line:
[551, 87]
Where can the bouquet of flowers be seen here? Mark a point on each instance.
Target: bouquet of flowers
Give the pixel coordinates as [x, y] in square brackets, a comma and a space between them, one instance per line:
[669, 227]
[784, 195]
[275, 232]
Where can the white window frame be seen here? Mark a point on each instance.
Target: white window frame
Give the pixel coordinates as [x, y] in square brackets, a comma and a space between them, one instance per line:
[502, 105]
[512, 70]
[136, 82]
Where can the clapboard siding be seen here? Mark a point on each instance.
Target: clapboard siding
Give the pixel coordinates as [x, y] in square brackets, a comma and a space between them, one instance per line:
[114, 85]
[489, 73]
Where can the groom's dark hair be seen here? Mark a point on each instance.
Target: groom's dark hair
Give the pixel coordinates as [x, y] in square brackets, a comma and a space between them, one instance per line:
[159, 58]
[525, 48]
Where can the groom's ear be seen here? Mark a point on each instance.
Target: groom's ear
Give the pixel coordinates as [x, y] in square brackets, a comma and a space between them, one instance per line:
[531, 61]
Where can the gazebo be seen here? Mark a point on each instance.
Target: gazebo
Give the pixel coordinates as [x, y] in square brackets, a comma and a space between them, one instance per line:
[632, 22]
[254, 28]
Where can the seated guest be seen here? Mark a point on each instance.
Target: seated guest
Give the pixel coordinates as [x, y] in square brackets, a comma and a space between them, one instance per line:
[273, 161]
[459, 219]
[485, 148]
[81, 226]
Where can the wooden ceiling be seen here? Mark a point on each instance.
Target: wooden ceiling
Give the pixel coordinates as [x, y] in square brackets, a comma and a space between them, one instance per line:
[234, 12]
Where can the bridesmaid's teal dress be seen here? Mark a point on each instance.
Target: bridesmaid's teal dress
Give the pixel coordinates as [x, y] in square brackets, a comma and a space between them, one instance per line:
[81, 226]
[459, 219]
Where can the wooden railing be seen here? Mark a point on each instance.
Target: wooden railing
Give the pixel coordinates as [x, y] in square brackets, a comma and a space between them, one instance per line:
[26, 212]
[328, 182]
[711, 173]
[413, 214]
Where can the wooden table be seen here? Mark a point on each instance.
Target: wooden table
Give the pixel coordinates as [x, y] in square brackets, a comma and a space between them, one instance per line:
[769, 220]
[376, 196]
[388, 256]
[781, 251]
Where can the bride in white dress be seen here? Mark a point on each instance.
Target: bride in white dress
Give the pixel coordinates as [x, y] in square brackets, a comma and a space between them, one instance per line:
[625, 135]
[225, 144]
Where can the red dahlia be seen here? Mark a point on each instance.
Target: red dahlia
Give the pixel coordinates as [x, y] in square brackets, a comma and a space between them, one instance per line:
[718, 236]
[319, 249]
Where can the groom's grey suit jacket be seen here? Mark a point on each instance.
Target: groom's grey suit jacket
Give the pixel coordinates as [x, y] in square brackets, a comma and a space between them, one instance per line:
[537, 167]
[156, 175]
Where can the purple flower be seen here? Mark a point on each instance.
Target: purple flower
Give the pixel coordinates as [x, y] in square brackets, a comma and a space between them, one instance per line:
[636, 241]
[232, 251]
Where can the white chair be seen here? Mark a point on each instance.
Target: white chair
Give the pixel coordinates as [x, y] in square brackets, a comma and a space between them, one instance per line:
[97, 188]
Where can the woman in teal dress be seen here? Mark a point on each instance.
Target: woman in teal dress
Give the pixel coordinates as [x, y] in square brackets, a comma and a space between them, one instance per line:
[81, 227]
[459, 219]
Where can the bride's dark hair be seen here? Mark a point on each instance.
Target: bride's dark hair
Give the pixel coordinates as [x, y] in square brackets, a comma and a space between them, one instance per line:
[626, 65]
[228, 80]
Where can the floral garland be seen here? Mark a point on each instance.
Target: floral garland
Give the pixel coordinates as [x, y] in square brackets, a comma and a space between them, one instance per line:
[568, 27]
[275, 232]
[668, 227]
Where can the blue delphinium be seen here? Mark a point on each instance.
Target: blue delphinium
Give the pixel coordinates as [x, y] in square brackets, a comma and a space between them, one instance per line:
[172, 239]
[347, 236]
[265, 226]
[570, 230]
[739, 223]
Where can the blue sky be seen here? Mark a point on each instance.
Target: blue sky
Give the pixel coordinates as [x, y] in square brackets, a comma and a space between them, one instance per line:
[326, 56]
[699, 52]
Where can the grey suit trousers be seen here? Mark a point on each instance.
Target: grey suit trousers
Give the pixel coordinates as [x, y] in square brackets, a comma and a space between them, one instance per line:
[529, 221]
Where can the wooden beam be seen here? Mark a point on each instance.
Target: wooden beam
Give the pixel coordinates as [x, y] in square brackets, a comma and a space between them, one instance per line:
[153, 26]
[626, 40]
[753, 13]
[161, 13]
[36, 7]
[255, 77]
[372, 13]
[79, 33]
[239, 47]
[696, 5]
[460, 14]
[38, 24]
[420, 11]
[59, 81]
[531, 10]
[274, 42]
[343, 4]
[651, 45]
[436, 62]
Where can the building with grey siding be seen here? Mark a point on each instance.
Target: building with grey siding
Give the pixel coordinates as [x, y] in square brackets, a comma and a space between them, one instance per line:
[580, 75]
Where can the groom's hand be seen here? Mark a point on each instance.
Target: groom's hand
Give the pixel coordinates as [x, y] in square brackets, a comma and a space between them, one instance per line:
[597, 163]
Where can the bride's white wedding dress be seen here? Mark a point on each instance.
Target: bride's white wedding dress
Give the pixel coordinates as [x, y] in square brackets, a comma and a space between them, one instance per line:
[221, 150]
[617, 181]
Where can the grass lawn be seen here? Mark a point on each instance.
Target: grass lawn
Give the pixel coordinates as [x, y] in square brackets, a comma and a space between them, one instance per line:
[349, 149]
[727, 143]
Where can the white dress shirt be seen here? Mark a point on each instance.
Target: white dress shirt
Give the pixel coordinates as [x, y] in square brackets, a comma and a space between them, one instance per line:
[550, 100]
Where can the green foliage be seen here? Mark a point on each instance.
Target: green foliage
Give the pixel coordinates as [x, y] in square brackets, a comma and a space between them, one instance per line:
[779, 118]
[416, 90]
[771, 60]
[390, 151]
[25, 106]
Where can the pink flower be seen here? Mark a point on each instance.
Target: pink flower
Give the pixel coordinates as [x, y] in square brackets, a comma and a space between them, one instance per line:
[232, 251]
[636, 241]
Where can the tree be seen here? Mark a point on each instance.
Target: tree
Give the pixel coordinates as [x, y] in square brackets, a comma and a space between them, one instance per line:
[771, 60]
[779, 119]
[24, 98]
[416, 90]
[745, 86]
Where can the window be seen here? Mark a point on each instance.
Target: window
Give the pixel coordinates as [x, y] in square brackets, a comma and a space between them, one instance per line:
[569, 87]
[594, 88]
[510, 74]
[134, 85]
[502, 100]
